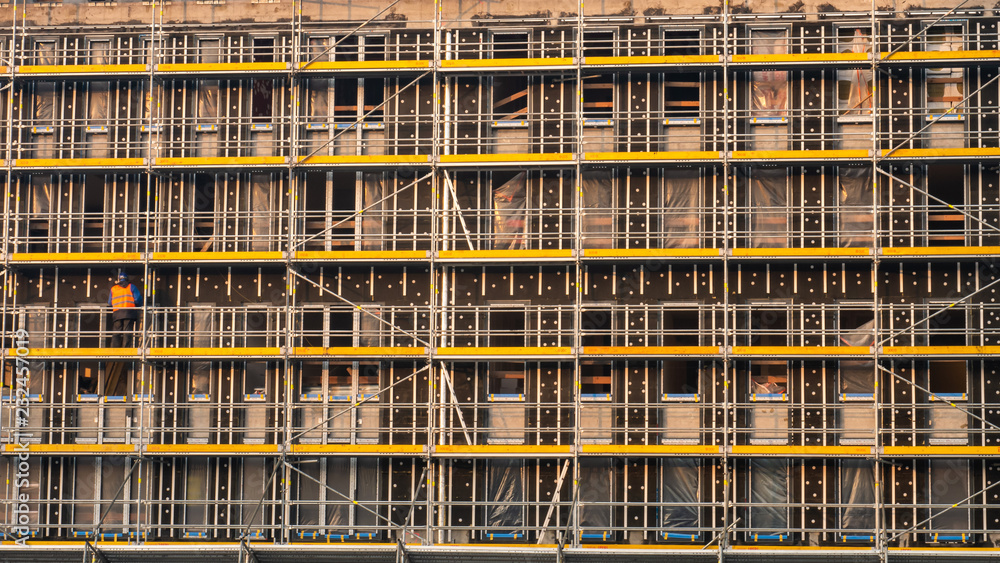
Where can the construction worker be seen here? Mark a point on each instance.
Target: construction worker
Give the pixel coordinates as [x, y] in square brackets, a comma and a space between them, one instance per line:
[125, 300]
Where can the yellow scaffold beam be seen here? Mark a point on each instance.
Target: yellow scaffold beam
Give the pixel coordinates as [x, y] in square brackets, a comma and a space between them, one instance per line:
[940, 350]
[911, 56]
[941, 251]
[215, 256]
[652, 60]
[372, 351]
[234, 352]
[807, 451]
[63, 257]
[369, 159]
[543, 62]
[82, 69]
[358, 449]
[502, 450]
[801, 252]
[650, 450]
[76, 352]
[671, 156]
[801, 350]
[652, 253]
[651, 351]
[506, 158]
[512, 351]
[526, 254]
[222, 67]
[74, 449]
[215, 161]
[365, 65]
[900, 154]
[79, 163]
[319, 255]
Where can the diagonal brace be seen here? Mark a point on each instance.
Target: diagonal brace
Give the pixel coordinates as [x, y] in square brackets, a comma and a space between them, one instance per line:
[937, 199]
[362, 309]
[936, 313]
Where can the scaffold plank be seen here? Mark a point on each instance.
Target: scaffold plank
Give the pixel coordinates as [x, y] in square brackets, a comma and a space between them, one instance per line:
[480, 64]
[222, 67]
[359, 351]
[941, 251]
[506, 158]
[74, 449]
[358, 449]
[796, 451]
[77, 352]
[82, 69]
[914, 56]
[671, 156]
[213, 161]
[652, 252]
[811, 155]
[941, 451]
[803, 58]
[940, 153]
[215, 256]
[314, 255]
[214, 449]
[801, 252]
[364, 65]
[63, 257]
[650, 450]
[512, 351]
[653, 60]
[369, 159]
[216, 352]
[502, 450]
[528, 254]
[79, 162]
[801, 350]
[940, 350]
[651, 351]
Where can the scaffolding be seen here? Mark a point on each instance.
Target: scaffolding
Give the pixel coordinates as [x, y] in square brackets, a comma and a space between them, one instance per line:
[428, 285]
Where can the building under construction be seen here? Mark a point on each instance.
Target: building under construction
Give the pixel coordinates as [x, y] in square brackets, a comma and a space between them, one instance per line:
[501, 281]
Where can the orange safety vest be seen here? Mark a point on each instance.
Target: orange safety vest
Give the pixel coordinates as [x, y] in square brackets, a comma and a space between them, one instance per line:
[121, 297]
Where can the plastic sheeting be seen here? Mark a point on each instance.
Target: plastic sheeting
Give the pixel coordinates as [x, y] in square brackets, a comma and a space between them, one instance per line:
[195, 491]
[679, 486]
[595, 494]
[208, 98]
[769, 87]
[319, 101]
[260, 211]
[768, 206]
[682, 217]
[45, 98]
[373, 217]
[84, 491]
[112, 477]
[855, 195]
[768, 490]
[510, 214]
[857, 489]
[41, 193]
[949, 485]
[99, 100]
[858, 376]
[365, 492]
[504, 494]
[854, 86]
[598, 216]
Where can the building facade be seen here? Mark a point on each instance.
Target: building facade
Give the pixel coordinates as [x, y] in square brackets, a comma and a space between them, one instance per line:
[440, 281]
